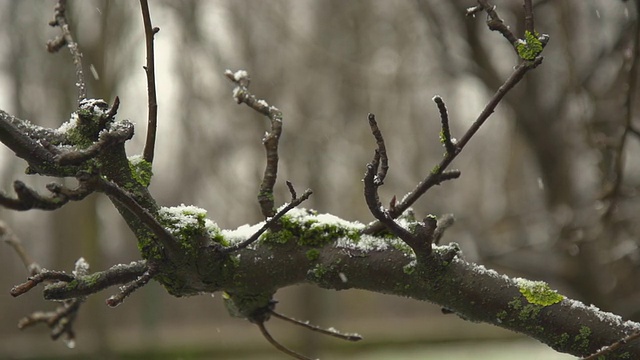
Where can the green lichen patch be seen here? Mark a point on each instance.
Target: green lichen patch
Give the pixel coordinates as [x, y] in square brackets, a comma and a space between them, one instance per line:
[313, 254]
[140, 170]
[309, 228]
[538, 292]
[530, 47]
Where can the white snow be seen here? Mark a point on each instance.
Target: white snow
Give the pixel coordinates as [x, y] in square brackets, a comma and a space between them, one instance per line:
[81, 267]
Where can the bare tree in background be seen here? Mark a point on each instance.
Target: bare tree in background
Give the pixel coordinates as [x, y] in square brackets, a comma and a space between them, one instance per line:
[593, 246]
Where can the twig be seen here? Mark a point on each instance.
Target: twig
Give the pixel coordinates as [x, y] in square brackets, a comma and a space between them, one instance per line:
[128, 289]
[381, 151]
[420, 241]
[306, 325]
[528, 16]
[495, 23]
[277, 345]
[445, 135]
[271, 139]
[436, 177]
[149, 33]
[12, 240]
[601, 353]
[60, 19]
[613, 194]
[269, 223]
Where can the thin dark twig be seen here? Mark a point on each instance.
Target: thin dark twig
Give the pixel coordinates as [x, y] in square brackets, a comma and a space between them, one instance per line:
[445, 135]
[348, 337]
[269, 223]
[292, 190]
[602, 352]
[271, 139]
[277, 345]
[528, 16]
[152, 124]
[381, 152]
[60, 19]
[495, 23]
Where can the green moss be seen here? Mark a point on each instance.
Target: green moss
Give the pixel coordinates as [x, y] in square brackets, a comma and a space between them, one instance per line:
[562, 341]
[308, 232]
[436, 169]
[313, 254]
[410, 268]
[140, 170]
[581, 341]
[538, 292]
[530, 47]
[501, 315]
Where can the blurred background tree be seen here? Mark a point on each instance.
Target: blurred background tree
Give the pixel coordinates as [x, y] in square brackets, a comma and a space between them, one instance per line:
[545, 192]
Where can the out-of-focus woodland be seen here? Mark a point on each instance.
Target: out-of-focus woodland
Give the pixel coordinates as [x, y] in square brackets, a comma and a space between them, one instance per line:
[548, 188]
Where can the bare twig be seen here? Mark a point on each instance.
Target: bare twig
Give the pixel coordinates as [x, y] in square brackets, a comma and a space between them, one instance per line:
[149, 33]
[12, 240]
[271, 139]
[604, 351]
[306, 325]
[495, 23]
[30, 199]
[269, 223]
[381, 152]
[277, 345]
[445, 135]
[420, 241]
[128, 289]
[60, 19]
[528, 16]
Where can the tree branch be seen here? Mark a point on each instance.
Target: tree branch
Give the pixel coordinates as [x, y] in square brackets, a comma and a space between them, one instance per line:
[152, 124]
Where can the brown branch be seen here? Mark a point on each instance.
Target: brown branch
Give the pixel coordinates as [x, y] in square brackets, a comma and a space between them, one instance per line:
[495, 23]
[608, 349]
[60, 19]
[445, 134]
[528, 16]
[271, 139]
[381, 152]
[149, 33]
[128, 289]
[436, 176]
